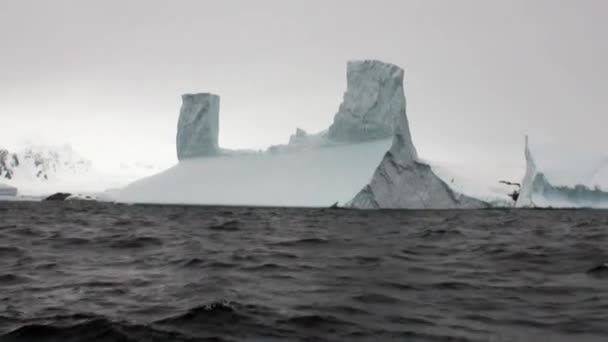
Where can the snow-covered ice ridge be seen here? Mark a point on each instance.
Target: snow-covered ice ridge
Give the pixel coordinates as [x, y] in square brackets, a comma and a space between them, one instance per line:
[365, 159]
[570, 179]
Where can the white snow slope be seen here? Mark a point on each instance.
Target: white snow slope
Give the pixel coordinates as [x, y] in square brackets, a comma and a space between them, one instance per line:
[40, 170]
[307, 177]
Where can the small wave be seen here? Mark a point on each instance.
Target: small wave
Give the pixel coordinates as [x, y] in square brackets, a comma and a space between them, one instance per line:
[12, 279]
[397, 286]
[80, 222]
[96, 330]
[136, 242]
[240, 257]
[75, 241]
[46, 265]
[599, 271]
[284, 255]
[27, 231]
[440, 233]
[216, 316]
[98, 284]
[303, 242]
[454, 285]
[6, 251]
[220, 264]
[375, 298]
[264, 267]
[122, 223]
[409, 252]
[584, 224]
[216, 311]
[193, 262]
[230, 226]
[314, 321]
[408, 321]
[364, 260]
[173, 217]
[343, 309]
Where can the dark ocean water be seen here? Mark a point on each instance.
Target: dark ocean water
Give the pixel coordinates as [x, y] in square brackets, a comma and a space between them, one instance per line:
[103, 272]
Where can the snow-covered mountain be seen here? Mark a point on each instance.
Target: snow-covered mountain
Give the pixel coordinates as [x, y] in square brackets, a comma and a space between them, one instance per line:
[42, 163]
[40, 170]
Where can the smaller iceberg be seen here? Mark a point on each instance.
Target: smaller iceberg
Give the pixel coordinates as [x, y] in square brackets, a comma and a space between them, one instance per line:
[562, 178]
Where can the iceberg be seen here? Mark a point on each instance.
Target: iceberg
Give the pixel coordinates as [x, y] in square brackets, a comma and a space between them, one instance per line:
[366, 158]
[564, 179]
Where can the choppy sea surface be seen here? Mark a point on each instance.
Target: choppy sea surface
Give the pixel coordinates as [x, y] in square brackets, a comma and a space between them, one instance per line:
[103, 272]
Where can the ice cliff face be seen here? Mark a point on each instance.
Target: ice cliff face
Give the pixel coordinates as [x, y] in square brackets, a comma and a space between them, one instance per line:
[374, 105]
[198, 126]
[537, 190]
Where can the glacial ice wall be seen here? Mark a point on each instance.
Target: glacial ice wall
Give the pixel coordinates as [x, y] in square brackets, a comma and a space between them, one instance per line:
[579, 182]
[373, 106]
[198, 126]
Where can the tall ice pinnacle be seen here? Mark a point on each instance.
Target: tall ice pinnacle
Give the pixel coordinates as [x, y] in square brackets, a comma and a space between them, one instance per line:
[198, 126]
[374, 106]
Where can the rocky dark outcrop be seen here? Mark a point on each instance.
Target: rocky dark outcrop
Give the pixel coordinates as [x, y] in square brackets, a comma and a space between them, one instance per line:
[60, 196]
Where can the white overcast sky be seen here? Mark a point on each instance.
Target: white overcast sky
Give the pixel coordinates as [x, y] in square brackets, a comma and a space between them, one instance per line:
[106, 76]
